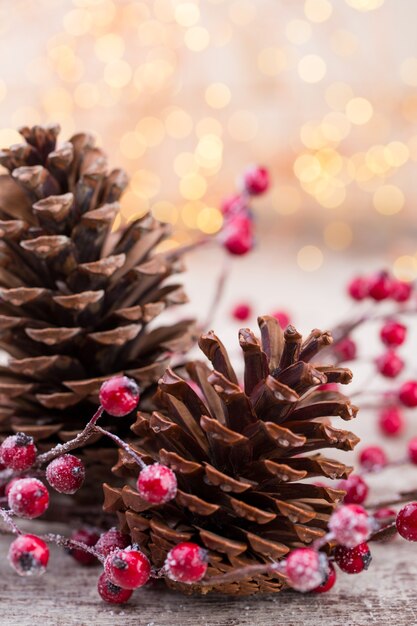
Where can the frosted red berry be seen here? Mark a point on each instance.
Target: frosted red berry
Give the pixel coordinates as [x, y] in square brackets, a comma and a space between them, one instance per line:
[358, 288]
[353, 560]
[186, 563]
[350, 525]
[256, 180]
[88, 537]
[127, 568]
[412, 450]
[345, 349]
[9, 485]
[238, 235]
[329, 581]
[393, 334]
[391, 422]
[111, 540]
[406, 521]
[119, 395]
[282, 318]
[18, 452]
[233, 205]
[28, 555]
[401, 291]
[28, 498]
[408, 393]
[110, 593]
[242, 312]
[384, 514]
[390, 364]
[66, 474]
[356, 489]
[157, 484]
[373, 458]
[306, 569]
[380, 287]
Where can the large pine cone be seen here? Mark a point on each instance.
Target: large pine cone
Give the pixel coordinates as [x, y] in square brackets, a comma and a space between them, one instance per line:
[239, 456]
[76, 299]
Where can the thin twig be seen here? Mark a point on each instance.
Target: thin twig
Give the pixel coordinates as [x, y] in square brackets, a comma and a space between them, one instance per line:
[123, 445]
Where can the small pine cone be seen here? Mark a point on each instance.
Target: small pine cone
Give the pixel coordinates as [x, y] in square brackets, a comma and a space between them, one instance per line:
[76, 297]
[242, 456]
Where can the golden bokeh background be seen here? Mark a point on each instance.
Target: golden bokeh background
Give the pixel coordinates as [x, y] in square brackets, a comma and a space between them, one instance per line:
[185, 93]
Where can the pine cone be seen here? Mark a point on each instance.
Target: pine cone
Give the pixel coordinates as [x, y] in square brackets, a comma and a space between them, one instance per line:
[239, 456]
[76, 298]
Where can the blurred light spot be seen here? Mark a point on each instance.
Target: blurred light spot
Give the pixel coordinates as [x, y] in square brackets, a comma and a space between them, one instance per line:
[209, 220]
[109, 48]
[185, 163]
[189, 213]
[117, 74]
[337, 95]
[187, 14]
[133, 207]
[145, 184]
[335, 127]
[405, 268]
[197, 38]
[312, 68]
[86, 95]
[271, 61]
[132, 145]
[408, 71]
[218, 95]
[208, 126]
[396, 153]
[344, 43]
[359, 111]
[22, 114]
[9, 136]
[193, 186]
[77, 22]
[178, 123]
[307, 168]
[287, 200]
[165, 212]
[243, 125]
[310, 258]
[209, 151]
[338, 235]
[388, 199]
[298, 31]
[317, 10]
[57, 101]
[365, 5]
[151, 130]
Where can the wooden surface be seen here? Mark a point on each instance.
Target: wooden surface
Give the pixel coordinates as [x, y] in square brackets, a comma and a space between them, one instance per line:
[66, 595]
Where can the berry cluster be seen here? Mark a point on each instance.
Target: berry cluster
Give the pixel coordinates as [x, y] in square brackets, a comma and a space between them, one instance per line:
[238, 232]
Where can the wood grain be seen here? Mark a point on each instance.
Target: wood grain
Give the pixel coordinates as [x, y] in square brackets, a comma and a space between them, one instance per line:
[66, 596]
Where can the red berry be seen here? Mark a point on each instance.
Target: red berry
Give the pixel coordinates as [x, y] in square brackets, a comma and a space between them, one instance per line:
[353, 560]
[9, 485]
[111, 540]
[406, 521]
[186, 563]
[233, 204]
[238, 237]
[384, 513]
[408, 393]
[282, 318]
[358, 288]
[401, 291]
[412, 450]
[350, 525]
[89, 537]
[380, 286]
[28, 555]
[66, 474]
[119, 396]
[112, 593]
[389, 364]
[328, 582]
[242, 312]
[157, 484]
[127, 568]
[28, 498]
[373, 458]
[391, 421]
[393, 334]
[306, 569]
[256, 180]
[345, 349]
[356, 489]
[18, 452]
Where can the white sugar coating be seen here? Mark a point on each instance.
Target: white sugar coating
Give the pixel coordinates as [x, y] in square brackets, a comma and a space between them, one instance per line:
[306, 570]
[350, 526]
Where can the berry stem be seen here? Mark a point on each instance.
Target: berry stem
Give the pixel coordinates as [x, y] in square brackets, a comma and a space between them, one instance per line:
[77, 442]
[122, 445]
[59, 540]
[404, 496]
[218, 293]
[245, 572]
[8, 520]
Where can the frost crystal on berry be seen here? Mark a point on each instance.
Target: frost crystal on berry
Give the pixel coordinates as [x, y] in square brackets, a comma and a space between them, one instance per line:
[350, 525]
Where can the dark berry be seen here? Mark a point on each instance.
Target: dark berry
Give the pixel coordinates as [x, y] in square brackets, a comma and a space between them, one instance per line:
[65, 474]
[353, 560]
[112, 593]
[391, 422]
[256, 180]
[157, 484]
[186, 563]
[111, 540]
[408, 393]
[356, 489]
[28, 498]
[306, 569]
[18, 452]
[329, 582]
[373, 458]
[119, 396]
[127, 568]
[28, 555]
[407, 521]
[393, 334]
[89, 537]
